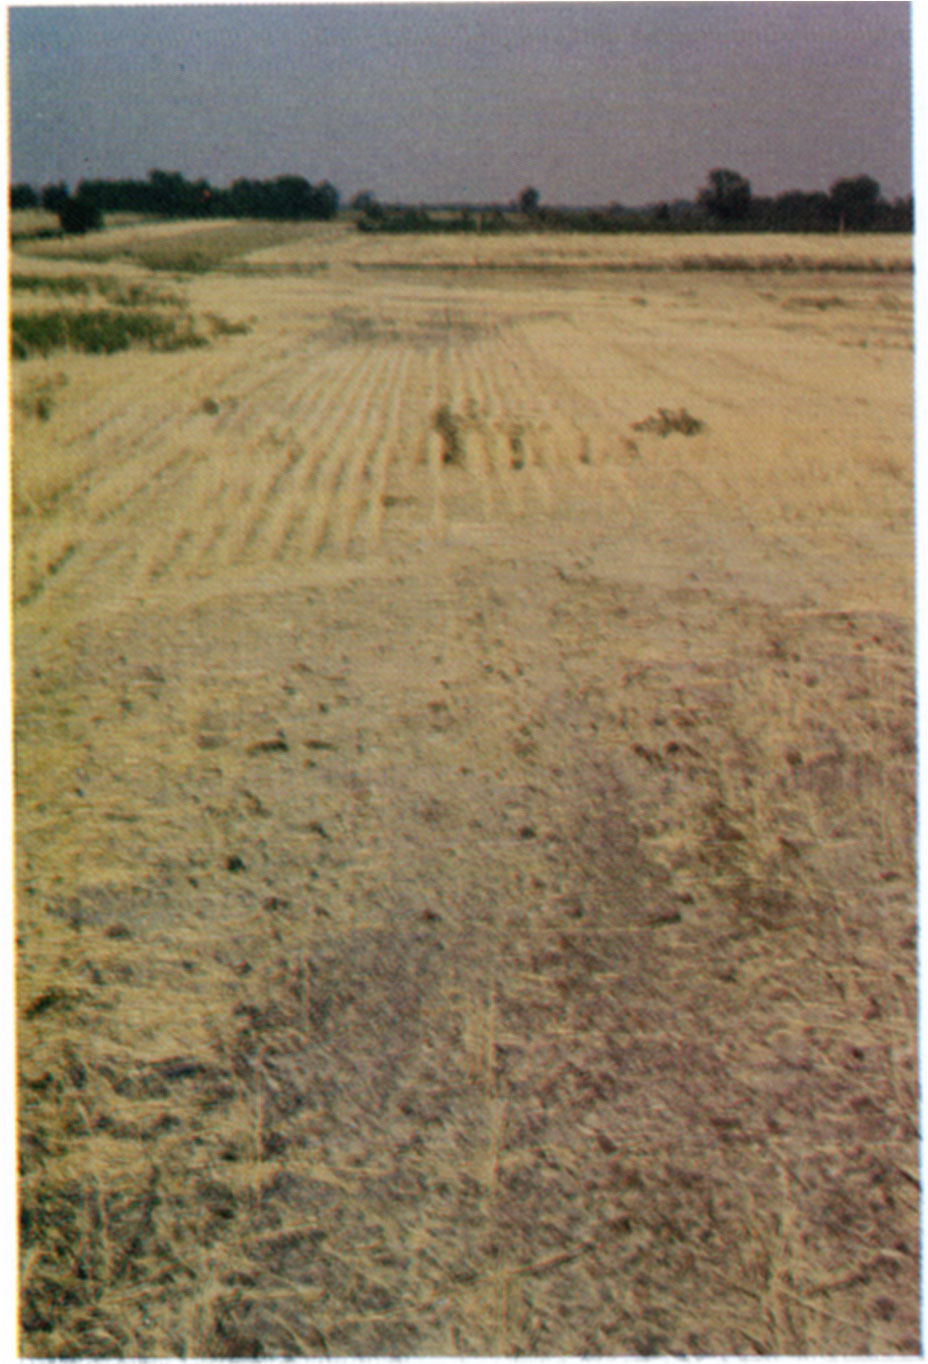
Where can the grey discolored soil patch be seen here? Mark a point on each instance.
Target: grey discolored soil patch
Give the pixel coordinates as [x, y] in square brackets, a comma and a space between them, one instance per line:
[349, 326]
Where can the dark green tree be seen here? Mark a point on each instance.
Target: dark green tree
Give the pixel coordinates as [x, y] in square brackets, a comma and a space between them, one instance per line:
[727, 196]
[854, 202]
[79, 215]
[53, 196]
[23, 196]
[326, 200]
[529, 200]
[797, 210]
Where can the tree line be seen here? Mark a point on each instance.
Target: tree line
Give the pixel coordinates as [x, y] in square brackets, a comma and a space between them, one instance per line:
[726, 202]
[167, 194]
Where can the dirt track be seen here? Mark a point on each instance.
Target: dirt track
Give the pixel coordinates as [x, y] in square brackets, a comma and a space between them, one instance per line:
[502, 807]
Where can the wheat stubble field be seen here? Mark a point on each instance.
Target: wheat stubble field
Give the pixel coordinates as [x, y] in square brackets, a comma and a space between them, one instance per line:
[465, 799]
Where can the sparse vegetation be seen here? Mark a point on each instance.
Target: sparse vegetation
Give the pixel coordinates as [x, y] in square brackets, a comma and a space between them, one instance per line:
[115, 291]
[55, 284]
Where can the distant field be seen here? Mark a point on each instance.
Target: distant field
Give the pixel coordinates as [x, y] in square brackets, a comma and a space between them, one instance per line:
[465, 796]
[192, 246]
[209, 244]
[626, 251]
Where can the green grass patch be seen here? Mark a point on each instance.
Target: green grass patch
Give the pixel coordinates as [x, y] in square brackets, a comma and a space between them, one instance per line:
[188, 250]
[115, 291]
[101, 331]
[52, 284]
[140, 295]
[179, 261]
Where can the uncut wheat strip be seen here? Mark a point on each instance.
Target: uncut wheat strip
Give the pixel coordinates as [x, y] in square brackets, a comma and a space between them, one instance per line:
[44, 475]
[464, 400]
[298, 525]
[356, 484]
[123, 462]
[417, 412]
[509, 406]
[510, 378]
[283, 387]
[384, 451]
[168, 543]
[453, 398]
[132, 454]
[559, 439]
[492, 418]
[117, 421]
[201, 508]
[434, 458]
[206, 513]
[429, 446]
[36, 565]
[454, 481]
[561, 361]
[63, 460]
[272, 508]
[323, 468]
[346, 451]
[258, 479]
[575, 359]
[105, 551]
[153, 483]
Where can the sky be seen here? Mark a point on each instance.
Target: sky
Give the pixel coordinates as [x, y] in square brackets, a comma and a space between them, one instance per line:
[593, 103]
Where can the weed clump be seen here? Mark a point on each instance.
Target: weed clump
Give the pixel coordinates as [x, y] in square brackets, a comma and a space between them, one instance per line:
[664, 422]
[517, 446]
[450, 428]
[221, 326]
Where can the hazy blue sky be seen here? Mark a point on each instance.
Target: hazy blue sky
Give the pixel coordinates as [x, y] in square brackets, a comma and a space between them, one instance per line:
[590, 102]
